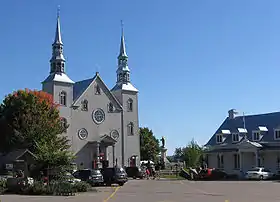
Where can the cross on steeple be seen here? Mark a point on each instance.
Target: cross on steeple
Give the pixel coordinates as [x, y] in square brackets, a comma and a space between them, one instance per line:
[58, 11]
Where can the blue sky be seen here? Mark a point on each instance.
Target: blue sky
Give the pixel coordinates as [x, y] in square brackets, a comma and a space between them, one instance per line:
[191, 60]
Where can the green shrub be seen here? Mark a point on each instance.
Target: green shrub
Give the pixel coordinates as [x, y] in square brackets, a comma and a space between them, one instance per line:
[81, 187]
[55, 188]
[62, 188]
[3, 186]
[38, 188]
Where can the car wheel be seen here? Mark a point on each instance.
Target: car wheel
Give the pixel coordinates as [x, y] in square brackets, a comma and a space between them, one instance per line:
[261, 177]
[121, 183]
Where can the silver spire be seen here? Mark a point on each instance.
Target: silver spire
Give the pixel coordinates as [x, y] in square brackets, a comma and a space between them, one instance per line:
[57, 60]
[122, 46]
[57, 38]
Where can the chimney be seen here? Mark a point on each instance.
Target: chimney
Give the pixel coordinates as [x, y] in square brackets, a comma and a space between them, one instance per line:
[232, 113]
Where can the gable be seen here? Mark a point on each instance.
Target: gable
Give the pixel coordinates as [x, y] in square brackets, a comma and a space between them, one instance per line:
[82, 86]
[270, 121]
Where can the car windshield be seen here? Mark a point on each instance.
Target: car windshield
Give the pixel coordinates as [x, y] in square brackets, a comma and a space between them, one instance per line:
[254, 170]
[121, 170]
[95, 172]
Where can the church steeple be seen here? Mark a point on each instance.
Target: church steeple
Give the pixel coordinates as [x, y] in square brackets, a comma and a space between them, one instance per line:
[122, 46]
[57, 61]
[123, 72]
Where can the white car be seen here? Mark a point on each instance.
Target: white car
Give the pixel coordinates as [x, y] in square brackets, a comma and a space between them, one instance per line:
[70, 178]
[259, 173]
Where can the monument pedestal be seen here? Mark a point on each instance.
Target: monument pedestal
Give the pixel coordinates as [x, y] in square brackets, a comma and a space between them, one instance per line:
[163, 156]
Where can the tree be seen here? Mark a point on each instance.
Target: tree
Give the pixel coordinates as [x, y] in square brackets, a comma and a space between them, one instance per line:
[191, 154]
[179, 154]
[30, 120]
[149, 146]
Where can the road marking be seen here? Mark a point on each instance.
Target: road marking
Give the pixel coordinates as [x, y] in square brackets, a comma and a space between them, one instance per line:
[112, 195]
[226, 200]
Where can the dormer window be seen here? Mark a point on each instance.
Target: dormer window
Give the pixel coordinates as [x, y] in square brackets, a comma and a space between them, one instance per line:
[130, 105]
[235, 137]
[85, 105]
[62, 98]
[277, 134]
[110, 107]
[97, 90]
[256, 136]
[219, 138]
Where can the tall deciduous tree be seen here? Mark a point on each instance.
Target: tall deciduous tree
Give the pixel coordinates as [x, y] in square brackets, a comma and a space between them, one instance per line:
[149, 145]
[30, 119]
[191, 154]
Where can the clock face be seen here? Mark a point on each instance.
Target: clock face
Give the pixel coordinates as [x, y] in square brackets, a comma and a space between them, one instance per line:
[115, 134]
[98, 116]
[83, 134]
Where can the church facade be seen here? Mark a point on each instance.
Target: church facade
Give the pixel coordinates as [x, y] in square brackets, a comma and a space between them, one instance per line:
[103, 125]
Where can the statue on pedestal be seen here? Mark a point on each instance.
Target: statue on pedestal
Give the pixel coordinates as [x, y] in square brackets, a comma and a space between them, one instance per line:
[162, 142]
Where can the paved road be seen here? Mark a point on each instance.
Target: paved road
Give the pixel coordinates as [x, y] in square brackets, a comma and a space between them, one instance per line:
[184, 191]
[171, 191]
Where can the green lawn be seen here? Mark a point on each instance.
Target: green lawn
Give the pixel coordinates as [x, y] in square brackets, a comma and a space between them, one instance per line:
[172, 177]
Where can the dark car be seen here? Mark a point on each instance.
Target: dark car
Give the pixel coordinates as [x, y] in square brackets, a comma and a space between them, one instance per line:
[218, 174]
[135, 172]
[92, 176]
[115, 175]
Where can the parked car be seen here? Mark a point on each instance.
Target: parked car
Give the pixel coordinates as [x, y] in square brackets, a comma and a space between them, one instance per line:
[71, 178]
[114, 175]
[217, 174]
[135, 172]
[259, 173]
[92, 176]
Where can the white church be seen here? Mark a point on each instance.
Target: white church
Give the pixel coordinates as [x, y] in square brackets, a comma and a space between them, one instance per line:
[103, 123]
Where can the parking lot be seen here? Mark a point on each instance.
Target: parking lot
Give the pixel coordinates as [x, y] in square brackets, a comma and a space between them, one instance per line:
[172, 191]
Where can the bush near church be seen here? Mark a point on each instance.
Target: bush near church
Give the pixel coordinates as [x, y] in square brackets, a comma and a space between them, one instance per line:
[29, 119]
[55, 188]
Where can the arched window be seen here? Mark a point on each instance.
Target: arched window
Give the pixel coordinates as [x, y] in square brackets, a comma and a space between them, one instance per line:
[85, 105]
[97, 90]
[63, 122]
[62, 99]
[62, 67]
[130, 129]
[110, 107]
[120, 77]
[52, 67]
[130, 105]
